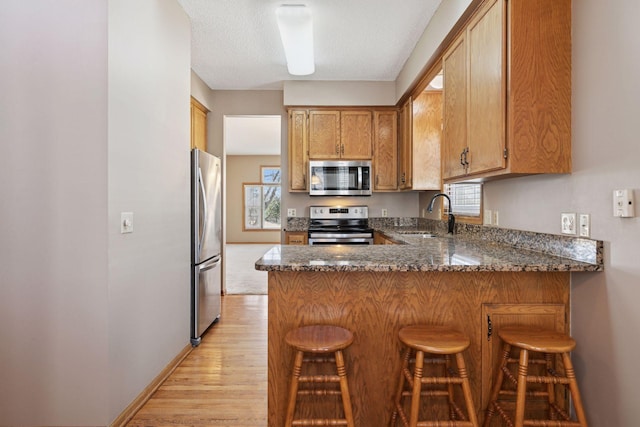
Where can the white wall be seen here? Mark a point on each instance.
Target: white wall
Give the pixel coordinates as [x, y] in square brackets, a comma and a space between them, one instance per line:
[606, 103]
[448, 13]
[331, 93]
[94, 120]
[149, 131]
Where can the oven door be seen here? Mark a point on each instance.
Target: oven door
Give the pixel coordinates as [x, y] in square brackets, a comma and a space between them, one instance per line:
[328, 238]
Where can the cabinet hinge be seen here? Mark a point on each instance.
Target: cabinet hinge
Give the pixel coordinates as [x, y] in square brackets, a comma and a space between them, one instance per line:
[505, 153]
[489, 328]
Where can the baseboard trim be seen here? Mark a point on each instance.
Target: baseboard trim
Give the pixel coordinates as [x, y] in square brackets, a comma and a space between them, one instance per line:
[133, 408]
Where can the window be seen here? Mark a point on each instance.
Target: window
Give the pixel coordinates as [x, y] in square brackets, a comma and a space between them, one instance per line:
[262, 201]
[465, 198]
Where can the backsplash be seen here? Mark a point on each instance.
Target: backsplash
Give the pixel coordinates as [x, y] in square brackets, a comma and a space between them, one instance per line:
[579, 249]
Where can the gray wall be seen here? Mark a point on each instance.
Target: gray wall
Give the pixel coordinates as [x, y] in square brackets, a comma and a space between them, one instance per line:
[149, 131]
[88, 317]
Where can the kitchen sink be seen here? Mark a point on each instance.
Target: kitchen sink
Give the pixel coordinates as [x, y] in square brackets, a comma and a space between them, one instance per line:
[423, 234]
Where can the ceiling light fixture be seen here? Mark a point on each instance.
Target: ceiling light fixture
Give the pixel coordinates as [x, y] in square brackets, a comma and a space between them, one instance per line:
[296, 32]
[437, 82]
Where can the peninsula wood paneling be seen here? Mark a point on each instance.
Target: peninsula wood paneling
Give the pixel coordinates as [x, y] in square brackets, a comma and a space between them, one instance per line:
[374, 306]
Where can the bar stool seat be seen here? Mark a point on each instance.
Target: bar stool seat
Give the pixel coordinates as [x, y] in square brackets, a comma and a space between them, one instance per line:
[440, 341]
[319, 340]
[549, 343]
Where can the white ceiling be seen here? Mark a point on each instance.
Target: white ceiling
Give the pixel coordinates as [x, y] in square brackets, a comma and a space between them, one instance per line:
[236, 44]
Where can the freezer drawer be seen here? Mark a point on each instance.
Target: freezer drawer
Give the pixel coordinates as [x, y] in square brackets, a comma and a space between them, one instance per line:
[205, 297]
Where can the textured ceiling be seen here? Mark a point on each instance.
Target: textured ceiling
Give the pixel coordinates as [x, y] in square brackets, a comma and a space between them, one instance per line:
[236, 44]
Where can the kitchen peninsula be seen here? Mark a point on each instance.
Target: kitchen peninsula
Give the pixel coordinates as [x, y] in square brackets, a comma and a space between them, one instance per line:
[475, 281]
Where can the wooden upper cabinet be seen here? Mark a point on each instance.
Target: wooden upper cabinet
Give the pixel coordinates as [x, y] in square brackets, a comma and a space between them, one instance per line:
[420, 142]
[385, 150]
[324, 134]
[454, 131]
[426, 135]
[509, 113]
[486, 95]
[198, 125]
[298, 150]
[405, 148]
[340, 134]
[355, 135]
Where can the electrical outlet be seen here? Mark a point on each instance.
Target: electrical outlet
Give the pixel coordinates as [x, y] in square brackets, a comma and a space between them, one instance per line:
[487, 218]
[291, 212]
[496, 218]
[584, 229]
[385, 213]
[568, 223]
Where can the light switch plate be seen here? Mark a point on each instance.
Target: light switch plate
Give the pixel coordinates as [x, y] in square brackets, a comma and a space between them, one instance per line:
[126, 222]
[568, 223]
[623, 203]
[584, 225]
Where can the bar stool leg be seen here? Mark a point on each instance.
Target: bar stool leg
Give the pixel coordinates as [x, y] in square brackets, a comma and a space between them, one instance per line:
[466, 389]
[551, 398]
[521, 390]
[400, 389]
[293, 388]
[573, 387]
[417, 384]
[495, 392]
[344, 388]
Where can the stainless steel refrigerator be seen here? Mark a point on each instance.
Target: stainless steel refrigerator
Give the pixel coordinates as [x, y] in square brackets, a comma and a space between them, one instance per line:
[206, 236]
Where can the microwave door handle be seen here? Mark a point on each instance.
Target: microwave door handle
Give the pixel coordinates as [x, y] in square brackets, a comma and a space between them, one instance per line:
[359, 178]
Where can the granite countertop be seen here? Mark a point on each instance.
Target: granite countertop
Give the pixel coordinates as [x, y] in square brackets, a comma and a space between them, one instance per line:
[461, 252]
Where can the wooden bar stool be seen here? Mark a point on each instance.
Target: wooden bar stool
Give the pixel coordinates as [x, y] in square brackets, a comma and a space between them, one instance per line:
[319, 340]
[436, 340]
[549, 343]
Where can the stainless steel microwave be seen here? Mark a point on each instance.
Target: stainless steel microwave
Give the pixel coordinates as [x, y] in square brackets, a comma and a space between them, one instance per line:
[340, 178]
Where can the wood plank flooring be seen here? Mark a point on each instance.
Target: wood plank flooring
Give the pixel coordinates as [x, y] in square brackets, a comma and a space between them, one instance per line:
[223, 382]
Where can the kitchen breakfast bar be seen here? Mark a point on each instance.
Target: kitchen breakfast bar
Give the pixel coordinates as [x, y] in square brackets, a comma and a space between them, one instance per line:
[473, 282]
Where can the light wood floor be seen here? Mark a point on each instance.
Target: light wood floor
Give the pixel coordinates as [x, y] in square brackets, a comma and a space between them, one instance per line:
[223, 382]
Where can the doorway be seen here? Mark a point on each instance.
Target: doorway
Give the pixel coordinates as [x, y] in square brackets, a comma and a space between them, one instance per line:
[251, 165]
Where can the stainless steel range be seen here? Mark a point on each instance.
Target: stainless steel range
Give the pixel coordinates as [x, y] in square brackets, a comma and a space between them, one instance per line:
[340, 225]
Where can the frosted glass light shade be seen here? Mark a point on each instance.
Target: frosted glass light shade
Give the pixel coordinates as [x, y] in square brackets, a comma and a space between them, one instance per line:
[296, 32]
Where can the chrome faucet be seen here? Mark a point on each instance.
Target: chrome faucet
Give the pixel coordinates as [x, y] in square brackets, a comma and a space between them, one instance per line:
[452, 220]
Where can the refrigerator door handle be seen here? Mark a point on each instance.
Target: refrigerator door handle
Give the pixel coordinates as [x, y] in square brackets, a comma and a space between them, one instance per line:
[204, 207]
[209, 265]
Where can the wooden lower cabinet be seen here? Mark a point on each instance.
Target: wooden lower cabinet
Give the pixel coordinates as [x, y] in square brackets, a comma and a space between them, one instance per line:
[375, 305]
[296, 238]
[496, 316]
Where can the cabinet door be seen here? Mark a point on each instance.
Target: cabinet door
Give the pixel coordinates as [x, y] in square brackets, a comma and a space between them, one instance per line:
[296, 238]
[355, 135]
[298, 151]
[487, 83]
[548, 316]
[385, 150]
[405, 152]
[324, 134]
[426, 136]
[454, 136]
[198, 125]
